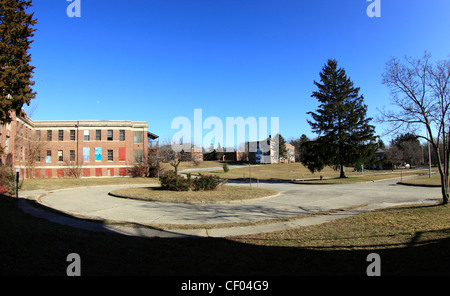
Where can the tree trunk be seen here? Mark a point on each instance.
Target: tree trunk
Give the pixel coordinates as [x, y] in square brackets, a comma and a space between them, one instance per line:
[444, 187]
[444, 180]
[342, 175]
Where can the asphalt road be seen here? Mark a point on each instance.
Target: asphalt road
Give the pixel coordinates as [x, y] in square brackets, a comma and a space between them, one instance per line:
[294, 199]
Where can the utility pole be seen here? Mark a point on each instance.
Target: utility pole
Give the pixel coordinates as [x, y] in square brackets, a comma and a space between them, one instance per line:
[250, 175]
[429, 160]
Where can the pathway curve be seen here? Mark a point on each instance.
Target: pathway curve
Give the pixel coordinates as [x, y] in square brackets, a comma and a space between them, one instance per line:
[295, 199]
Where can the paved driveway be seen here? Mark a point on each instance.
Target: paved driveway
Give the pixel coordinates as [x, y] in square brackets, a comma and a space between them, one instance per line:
[294, 199]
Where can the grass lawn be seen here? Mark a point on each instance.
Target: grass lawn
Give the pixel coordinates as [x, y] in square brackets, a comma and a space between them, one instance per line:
[59, 183]
[262, 172]
[191, 165]
[296, 171]
[221, 194]
[435, 180]
[410, 241]
[367, 177]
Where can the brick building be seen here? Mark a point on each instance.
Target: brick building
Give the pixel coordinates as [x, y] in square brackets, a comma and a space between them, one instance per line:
[85, 148]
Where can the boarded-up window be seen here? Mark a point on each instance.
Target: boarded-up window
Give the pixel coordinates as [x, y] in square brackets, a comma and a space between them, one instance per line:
[122, 153]
[98, 153]
[122, 172]
[86, 154]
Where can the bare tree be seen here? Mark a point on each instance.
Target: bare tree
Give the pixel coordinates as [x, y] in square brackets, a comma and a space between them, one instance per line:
[420, 91]
[174, 158]
[33, 156]
[73, 168]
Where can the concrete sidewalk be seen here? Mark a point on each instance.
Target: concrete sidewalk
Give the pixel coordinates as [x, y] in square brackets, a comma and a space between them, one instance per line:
[294, 201]
[148, 231]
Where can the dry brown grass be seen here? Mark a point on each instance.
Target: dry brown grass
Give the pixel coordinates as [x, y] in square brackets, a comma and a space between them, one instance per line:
[222, 194]
[435, 180]
[59, 183]
[388, 228]
[296, 171]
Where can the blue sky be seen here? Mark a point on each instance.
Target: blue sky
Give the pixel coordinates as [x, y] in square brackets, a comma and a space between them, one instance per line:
[154, 60]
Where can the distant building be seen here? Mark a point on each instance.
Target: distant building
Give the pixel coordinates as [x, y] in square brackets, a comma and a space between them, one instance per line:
[196, 154]
[265, 152]
[290, 154]
[91, 148]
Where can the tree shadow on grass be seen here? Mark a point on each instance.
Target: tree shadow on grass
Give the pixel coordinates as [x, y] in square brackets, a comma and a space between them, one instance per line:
[34, 246]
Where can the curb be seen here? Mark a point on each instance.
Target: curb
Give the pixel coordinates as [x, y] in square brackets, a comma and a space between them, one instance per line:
[418, 185]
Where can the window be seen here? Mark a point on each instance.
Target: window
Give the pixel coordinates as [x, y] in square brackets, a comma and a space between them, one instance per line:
[86, 154]
[38, 156]
[110, 155]
[60, 155]
[48, 158]
[110, 135]
[86, 135]
[138, 156]
[49, 135]
[72, 155]
[38, 135]
[138, 137]
[72, 135]
[98, 135]
[60, 135]
[121, 135]
[98, 153]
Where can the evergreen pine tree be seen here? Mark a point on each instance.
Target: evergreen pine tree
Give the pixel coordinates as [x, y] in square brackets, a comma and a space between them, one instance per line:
[345, 135]
[281, 145]
[15, 69]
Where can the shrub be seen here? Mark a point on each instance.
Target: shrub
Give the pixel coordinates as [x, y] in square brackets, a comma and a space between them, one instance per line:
[7, 179]
[225, 167]
[171, 181]
[205, 182]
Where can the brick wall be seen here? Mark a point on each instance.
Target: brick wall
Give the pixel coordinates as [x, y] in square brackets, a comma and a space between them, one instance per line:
[69, 151]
